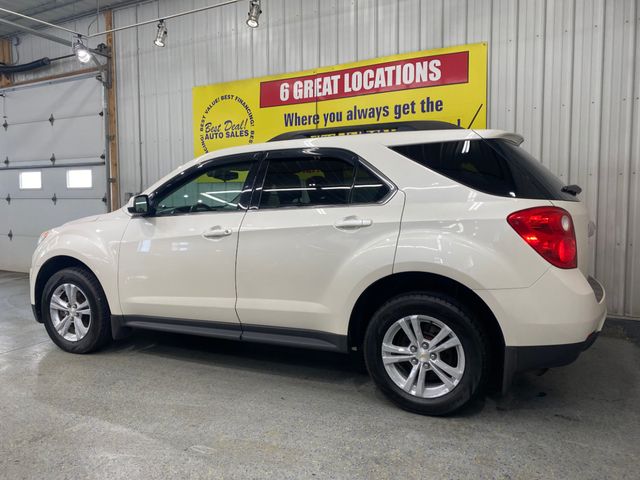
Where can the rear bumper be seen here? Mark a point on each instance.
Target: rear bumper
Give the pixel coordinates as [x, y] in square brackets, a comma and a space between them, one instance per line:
[563, 307]
[522, 359]
[548, 324]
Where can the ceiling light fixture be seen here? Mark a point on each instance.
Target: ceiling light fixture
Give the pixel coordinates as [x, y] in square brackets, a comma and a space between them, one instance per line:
[83, 54]
[254, 13]
[161, 36]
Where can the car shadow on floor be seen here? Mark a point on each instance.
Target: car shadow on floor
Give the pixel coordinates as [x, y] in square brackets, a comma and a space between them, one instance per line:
[565, 391]
[296, 363]
[279, 360]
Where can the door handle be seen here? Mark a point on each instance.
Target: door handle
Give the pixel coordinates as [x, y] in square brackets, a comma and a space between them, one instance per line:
[217, 232]
[353, 222]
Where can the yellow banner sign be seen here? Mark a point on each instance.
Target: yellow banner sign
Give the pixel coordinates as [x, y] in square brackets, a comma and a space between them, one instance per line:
[447, 84]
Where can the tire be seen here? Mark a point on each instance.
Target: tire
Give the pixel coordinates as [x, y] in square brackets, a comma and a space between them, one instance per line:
[468, 358]
[95, 330]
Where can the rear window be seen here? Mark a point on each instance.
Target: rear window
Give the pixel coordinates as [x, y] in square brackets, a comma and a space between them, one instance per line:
[492, 166]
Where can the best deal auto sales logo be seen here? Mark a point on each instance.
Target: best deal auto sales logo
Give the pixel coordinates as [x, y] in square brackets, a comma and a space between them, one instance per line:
[227, 121]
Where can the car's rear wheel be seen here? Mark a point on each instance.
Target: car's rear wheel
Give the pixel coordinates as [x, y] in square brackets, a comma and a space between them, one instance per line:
[75, 311]
[426, 353]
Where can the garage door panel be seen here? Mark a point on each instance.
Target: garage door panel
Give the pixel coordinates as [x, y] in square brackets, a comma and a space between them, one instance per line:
[5, 255]
[20, 249]
[4, 215]
[54, 181]
[37, 103]
[71, 138]
[50, 214]
[26, 143]
[9, 183]
[68, 132]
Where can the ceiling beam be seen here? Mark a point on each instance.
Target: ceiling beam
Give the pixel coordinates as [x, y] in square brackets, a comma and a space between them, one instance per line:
[39, 33]
[42, 22]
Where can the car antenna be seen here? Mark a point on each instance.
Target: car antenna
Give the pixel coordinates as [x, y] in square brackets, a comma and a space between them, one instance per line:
[474, 117]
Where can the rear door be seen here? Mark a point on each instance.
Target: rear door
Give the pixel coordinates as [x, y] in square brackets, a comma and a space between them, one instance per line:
[321, 224]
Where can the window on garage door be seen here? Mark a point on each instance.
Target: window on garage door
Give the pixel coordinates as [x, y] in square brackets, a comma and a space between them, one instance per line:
[79, 178]
[30, 180]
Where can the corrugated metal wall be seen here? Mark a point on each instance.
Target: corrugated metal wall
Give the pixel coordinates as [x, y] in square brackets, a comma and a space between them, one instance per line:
[564, 73]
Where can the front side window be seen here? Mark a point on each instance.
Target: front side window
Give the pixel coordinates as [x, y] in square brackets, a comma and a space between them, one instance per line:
[217, 189]
[307, 180]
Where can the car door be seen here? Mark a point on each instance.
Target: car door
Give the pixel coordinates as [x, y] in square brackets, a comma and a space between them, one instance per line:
[179, 263]
[321, 226]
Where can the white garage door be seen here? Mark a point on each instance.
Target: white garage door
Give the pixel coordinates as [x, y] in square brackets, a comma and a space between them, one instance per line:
[52, 162]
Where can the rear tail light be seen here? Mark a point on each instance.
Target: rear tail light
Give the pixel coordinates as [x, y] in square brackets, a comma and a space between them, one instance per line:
[549, 231]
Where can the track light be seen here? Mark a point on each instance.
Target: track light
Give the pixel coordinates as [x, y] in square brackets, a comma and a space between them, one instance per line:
[161, 36]
[83, 54]
[254, 13]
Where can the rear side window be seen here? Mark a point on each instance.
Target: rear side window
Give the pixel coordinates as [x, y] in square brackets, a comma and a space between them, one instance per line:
[492, 166]
[306, 181]
[368, 188]
[318, 179]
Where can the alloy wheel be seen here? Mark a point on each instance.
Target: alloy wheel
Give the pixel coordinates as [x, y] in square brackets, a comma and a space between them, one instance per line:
[70, 312]
[423, 356]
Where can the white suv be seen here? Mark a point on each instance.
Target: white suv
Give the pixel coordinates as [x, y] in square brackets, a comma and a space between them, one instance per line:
[450, 258]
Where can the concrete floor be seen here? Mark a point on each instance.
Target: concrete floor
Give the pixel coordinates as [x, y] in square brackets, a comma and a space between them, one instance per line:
[163, 406]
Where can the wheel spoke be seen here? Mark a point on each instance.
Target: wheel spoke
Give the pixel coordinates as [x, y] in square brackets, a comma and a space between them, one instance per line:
[81, 330]
[86, 311]
[420, 381]
[58, 304]
[442, 334]
[71, 291]
[452, 342]
[390, 348]
[411, 379]
[417, 330]
[406, 328]
[63, 326]
[387, 359]
[448, 369]
[442, 376]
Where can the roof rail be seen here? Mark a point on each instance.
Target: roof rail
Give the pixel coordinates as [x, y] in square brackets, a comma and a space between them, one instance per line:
[361, 129]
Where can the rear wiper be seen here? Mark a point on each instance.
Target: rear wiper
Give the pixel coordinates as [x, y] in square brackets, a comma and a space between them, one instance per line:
[574, 190]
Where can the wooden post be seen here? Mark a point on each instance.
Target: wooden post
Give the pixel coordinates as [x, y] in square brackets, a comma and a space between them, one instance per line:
[5, 57]
[112, 127]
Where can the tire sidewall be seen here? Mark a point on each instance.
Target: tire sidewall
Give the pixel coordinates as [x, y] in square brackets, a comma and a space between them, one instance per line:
[96, 302]
[449, 314]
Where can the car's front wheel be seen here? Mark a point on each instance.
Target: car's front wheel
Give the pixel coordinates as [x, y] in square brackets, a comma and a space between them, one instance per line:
[75, 311]
[426, 353]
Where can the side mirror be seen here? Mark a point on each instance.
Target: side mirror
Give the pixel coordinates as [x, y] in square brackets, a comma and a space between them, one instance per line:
[140, 205]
